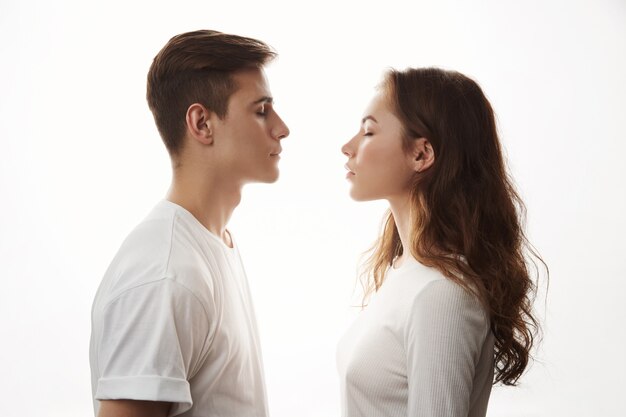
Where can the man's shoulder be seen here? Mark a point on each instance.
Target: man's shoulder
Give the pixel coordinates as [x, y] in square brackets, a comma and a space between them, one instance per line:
[149, 242]
[164, 245]
[165, 232]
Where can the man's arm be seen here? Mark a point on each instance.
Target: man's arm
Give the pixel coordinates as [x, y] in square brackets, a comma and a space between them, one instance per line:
[140, 353]
[133, 408]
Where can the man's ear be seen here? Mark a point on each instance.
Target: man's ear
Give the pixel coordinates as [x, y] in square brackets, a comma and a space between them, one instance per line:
[198, 121]
[422, 154]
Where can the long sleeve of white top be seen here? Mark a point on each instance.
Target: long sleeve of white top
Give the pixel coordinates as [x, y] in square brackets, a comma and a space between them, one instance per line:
[445, 332]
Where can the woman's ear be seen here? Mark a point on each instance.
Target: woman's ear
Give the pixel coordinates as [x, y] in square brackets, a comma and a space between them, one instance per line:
[198, 121]
[423, 154]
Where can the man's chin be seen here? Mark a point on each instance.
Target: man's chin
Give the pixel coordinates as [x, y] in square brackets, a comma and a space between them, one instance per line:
[273, 175]
[273, 179]
[269, 178]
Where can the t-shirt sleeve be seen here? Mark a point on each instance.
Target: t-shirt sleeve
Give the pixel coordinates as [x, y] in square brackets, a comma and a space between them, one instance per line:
[445, 333]
[152, 340]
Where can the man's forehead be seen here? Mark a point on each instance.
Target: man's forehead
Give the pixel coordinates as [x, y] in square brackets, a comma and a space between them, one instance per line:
[264, 99]
[252, 85]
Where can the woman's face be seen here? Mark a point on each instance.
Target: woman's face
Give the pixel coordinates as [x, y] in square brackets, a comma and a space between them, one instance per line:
[378, 166]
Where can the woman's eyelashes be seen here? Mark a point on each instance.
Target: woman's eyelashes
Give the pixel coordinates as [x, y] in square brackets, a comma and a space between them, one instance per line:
[367, 129]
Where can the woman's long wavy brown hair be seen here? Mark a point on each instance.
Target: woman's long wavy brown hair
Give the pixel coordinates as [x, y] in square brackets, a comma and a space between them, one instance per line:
[467, 218]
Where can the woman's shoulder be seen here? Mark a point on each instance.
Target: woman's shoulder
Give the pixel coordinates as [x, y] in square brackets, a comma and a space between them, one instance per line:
[443, 300]
[445, 288]
[425, 285]
[413, 277]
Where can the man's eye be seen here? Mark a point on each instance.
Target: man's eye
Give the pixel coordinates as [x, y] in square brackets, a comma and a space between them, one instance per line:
[368, 134]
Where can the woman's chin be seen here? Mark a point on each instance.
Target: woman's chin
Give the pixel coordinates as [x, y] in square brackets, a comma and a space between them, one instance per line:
[360, 196]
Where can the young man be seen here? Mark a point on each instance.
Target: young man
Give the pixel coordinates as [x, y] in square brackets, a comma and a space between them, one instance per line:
[173, 328]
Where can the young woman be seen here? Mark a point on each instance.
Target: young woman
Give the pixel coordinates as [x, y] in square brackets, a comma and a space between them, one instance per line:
[451, 313]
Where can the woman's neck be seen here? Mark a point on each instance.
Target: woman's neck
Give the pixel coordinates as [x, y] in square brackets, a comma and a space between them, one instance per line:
[401, 210]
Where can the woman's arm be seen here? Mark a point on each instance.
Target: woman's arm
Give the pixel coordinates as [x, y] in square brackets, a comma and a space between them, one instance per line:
[444, 336]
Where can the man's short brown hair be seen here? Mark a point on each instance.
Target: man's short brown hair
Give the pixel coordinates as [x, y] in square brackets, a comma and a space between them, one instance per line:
[197, 67]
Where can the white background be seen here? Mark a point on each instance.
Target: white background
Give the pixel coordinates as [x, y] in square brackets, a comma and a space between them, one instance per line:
[81, 163]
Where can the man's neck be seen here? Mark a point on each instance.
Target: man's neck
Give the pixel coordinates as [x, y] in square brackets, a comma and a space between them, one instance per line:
[209, 198]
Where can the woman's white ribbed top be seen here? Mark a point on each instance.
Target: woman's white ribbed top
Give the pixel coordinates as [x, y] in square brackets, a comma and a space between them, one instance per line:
[422, 347]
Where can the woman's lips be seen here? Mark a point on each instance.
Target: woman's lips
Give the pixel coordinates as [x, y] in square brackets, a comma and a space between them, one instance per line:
[350, 172]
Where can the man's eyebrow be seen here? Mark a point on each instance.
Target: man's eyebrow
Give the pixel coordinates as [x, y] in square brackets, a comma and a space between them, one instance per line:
[264, 99]
[368, 117]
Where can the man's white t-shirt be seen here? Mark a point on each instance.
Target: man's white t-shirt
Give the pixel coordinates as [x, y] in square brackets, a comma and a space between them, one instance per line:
[173, 321]
[422, 347]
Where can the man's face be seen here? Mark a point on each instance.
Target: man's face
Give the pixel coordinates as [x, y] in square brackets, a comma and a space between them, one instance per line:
[249, 136]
